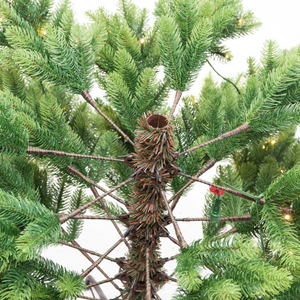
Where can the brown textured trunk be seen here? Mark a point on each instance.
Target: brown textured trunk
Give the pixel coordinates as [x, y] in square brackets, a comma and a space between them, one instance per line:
[152, 159]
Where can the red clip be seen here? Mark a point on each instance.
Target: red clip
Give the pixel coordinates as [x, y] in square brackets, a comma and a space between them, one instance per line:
[216, 191]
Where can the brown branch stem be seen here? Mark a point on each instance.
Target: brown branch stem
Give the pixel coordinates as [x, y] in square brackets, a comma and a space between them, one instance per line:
[229, 232]
[39, 151]
[109, 214]
[172, 279]
[84, 217]
[174, 240]
[175, 103]
[182, 242]
[104, 281]
[131, 288]
[171, 258]
[87, 97]
[286, 210]
[75, 172]
[226, 135]
[228, 190]
[99, 260]
[98, 199]
[75, 244]
[154, 290]
[243, 218]
[177, 196]
[85, 250]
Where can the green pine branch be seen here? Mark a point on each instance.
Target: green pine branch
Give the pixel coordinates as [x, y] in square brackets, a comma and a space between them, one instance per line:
[13, 135]
[41, 228]
[236, 261]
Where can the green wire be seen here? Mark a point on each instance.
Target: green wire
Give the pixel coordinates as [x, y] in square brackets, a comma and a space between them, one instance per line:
[226, 79]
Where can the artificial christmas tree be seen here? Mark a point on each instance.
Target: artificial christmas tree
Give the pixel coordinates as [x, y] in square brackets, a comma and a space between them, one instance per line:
[51, 142]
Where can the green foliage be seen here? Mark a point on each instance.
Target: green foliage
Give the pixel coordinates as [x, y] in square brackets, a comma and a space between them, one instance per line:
[16, 175]
[8, 234]
[13, 136]
[11, 76]
[191, 30]
[36, 13]
[74, 227]
[283, 238]
[40, 279]
[135, 17]
[41, 228]
[70, 286]
[63, 56]
[16, 285]
[223, 289]
[130, 92]
[291, 293]
[261, 166]
[200, 120]
[60, 192]
[285, 188]
[38, 118]
[259, 158]
[234, 262]
[171, 50]
[56, 195]
[276, 98]
[127, 68]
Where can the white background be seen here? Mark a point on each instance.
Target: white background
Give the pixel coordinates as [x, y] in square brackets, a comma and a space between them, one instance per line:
[281, 23]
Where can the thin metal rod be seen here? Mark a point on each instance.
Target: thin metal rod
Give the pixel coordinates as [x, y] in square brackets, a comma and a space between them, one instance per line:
[174, 240]
[171, 258]
[175, 103]
[86, 250]
[229, 232]
[172, 279]
[172, 274]
[99, 260]
[39, 151]
[177, 196]
[86, 95]
[91, 292]
[74, 243]
[131, 288]
[90, 279]
[243, 218]
[85, 217]
[85, 297]
[75, 172]
[154, 290]
[109, 214]
[182, 242]
[226, 135]
[86, 206]
[104, 281]
[228, 190]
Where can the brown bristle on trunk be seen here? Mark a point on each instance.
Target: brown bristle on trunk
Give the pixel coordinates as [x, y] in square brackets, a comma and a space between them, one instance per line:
[152, 161]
